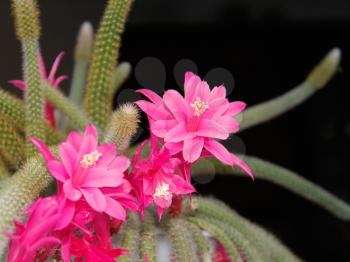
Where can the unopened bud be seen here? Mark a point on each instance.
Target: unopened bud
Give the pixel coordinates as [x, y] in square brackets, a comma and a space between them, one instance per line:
[123, 126]
[84, 41]
[325, 70]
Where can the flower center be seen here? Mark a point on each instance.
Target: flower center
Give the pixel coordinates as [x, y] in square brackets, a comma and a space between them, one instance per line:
[199, 106]
[162, 191]
[90, 159]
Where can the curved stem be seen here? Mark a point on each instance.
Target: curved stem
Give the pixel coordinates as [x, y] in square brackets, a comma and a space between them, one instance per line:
[288, 179]
[317, 79]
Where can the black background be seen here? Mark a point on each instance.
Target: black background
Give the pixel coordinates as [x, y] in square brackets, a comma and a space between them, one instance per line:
[269, 46]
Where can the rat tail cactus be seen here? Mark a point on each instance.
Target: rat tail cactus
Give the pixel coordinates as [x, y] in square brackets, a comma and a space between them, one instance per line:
[80, 190]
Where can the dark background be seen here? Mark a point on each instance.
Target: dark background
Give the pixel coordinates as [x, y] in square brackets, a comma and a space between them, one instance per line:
[269, 46]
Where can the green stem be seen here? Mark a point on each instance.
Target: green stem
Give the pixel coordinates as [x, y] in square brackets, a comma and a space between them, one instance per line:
[148, 238]
[62, 103]
[11, 144]
[103, 61]
[120, 75]
[220, 235]
[247, 251]
[34, 97]
[204, 247]
[81, 57]
[289, 180]
[131, 238]
[180, 240]
[317, 79]
[12, 108]
[3, 168]
[78, 81]
[19, 191]
[266, 244]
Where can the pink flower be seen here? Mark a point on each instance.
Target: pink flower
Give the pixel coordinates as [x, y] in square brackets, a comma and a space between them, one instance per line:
[193, 123]
[89, 238]
[91, 172]
[51, 79]
[36, 233]
[158, 178]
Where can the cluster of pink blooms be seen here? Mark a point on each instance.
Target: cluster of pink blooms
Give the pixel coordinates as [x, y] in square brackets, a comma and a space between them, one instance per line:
[96, 186]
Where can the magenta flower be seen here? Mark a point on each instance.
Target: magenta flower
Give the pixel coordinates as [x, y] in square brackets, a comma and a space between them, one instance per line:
[51, 79]
[89, 239]
[91, 172]
[36, 233]
[193, 124]
[158, 178]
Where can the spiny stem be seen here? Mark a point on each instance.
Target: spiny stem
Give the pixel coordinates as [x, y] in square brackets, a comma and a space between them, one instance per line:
[220, 235]
[180, 240]
[288, 179]
[248, 252]
[62, 103]
[11, 144]
[4, 172]
[103, 62]
[316, 80]
[19, 191]
[204, 247]
[12, 110]
[267, 245]
[148, 238]
[131, 237]
[28, 32]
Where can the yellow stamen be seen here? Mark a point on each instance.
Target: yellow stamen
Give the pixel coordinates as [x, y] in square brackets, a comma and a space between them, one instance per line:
[90, 159]
[162, 191]
[199, 106]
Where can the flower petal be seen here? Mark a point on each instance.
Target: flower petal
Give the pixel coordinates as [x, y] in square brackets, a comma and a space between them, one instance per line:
[68, 156]
[75, 139]
[108, 152]
[235, 108]
[95, 198]
[115, 209]
[19, 84]
[218, 92]
[66, 214]
[242, 165]
[101, 177]
[161, 127]
[152, 110]
[178, 133]
[54, 67]
[71, 192]
[45, 242]
[154, 97]
[217, 108]
[91, 130]
[58, 170]
[182, 187]
[174, 148]
[229, 123]
[192, 82]
[176, 104]
[43, 149]
[211, 129]
[218, 151]
[121, 163]
[192, 149]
